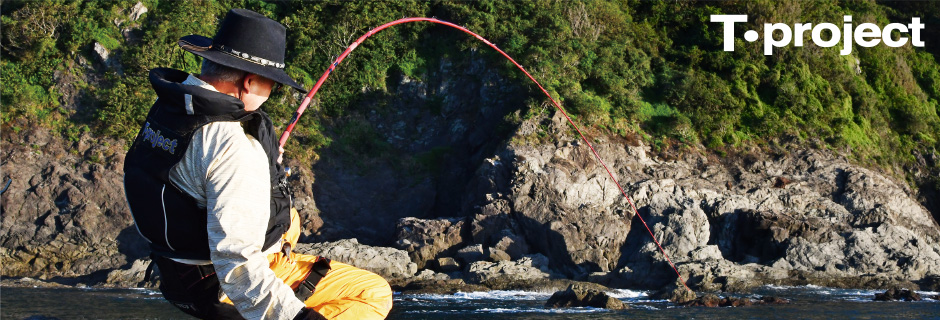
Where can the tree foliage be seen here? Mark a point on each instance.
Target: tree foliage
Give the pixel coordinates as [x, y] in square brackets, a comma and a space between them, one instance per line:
[656, 66]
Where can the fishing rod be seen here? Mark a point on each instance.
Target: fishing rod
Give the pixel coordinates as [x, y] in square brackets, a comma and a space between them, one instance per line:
[355, 44]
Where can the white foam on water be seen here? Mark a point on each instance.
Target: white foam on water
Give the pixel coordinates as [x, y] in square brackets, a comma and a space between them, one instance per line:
[626, 294]
[514, 295]
[509, 311]
[834, 293]
[540, 310]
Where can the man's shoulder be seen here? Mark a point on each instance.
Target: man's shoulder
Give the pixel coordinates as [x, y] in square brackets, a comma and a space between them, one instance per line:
[224, 131]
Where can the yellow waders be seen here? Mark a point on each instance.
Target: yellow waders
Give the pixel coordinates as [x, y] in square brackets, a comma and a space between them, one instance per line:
[346, 292]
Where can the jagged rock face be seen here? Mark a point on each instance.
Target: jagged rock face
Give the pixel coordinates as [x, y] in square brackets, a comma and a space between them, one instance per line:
[567, 210]
[64, 214]
[833, 221]
[805, 218]
[425, 240]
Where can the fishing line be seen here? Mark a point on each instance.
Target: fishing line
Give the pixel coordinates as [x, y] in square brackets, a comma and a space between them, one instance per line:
[354, 45]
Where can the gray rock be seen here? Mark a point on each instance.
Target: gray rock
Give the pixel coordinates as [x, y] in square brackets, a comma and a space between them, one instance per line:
[577, 296]
[496, 255]
[133, 276]
[428, 274]
[470, 254]
[138, 10]
[64, 214]
[425, 240]
[447, 264]
[515, 246]
[528, 268]
[387, 262]
[103, 53]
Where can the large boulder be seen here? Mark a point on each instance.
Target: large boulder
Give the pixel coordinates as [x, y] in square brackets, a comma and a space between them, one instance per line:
[578, 296]
[427, 239]
[386, 262]
[895, 294]
[566, 206]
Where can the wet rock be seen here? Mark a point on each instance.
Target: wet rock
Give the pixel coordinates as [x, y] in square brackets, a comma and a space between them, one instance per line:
[675, 293]
[713, 301]
[773, 300]
[577, 296]
[895, 294]
[708, 300]
[736, 302]
[425, 240]
[387, 262]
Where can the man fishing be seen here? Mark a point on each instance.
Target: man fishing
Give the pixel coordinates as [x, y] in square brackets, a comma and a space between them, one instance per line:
[207, 191]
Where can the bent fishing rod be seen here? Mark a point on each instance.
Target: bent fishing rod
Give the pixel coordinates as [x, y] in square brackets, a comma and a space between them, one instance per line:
[355, 44]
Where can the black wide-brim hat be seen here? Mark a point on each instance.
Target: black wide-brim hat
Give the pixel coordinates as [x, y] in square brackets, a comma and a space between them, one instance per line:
[246, 41]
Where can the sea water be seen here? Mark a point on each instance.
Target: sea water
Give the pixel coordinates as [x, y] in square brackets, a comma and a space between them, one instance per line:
[807, 302]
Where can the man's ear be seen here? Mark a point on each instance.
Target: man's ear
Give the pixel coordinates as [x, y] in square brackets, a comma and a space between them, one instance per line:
[246, 82]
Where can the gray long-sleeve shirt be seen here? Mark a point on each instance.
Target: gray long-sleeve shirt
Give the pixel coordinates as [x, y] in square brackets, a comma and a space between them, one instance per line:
[226, 171]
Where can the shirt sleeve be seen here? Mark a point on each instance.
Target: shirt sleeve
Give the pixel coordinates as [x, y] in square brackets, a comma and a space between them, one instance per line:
[238, 191]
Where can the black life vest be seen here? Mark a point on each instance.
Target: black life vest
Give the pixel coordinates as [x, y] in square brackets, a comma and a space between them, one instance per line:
[166, 216]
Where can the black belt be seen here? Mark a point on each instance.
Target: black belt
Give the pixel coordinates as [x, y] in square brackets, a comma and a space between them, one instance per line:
[191, 274]
[307, 287]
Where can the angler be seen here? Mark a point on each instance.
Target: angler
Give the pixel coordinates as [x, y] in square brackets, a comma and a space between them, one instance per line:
[207, 191]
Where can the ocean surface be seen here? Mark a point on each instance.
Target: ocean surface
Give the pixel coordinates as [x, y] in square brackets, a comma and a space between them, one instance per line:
[807, 302]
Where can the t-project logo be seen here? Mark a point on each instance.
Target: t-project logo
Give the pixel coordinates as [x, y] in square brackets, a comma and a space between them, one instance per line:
[157, 140]
[866, 34]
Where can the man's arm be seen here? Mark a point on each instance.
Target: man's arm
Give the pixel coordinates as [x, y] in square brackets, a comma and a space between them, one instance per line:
[238, 192]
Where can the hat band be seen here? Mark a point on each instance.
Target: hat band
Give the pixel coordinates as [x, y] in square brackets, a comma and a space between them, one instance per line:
[248, 57]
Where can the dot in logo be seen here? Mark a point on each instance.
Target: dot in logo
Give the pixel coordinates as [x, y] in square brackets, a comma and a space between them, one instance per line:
[750, 36]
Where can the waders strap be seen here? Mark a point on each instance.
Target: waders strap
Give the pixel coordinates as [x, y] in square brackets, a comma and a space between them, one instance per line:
[149, 272]
[309, 285]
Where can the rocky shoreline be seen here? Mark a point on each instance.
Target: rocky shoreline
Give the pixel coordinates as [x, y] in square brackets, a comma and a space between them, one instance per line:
[539, 215]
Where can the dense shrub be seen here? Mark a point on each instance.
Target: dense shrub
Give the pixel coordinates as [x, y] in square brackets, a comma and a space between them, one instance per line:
[624, 65]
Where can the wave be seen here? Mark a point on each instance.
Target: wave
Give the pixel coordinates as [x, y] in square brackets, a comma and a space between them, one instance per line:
[510, 310]
[514, 295]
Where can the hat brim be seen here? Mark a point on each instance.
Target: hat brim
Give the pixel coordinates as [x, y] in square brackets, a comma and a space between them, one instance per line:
[202, 46]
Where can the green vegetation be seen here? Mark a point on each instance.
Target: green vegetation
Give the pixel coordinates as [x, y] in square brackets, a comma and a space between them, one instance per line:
[655, 69]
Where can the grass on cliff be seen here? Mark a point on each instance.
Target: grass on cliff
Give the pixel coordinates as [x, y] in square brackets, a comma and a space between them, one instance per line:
[629, 67]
